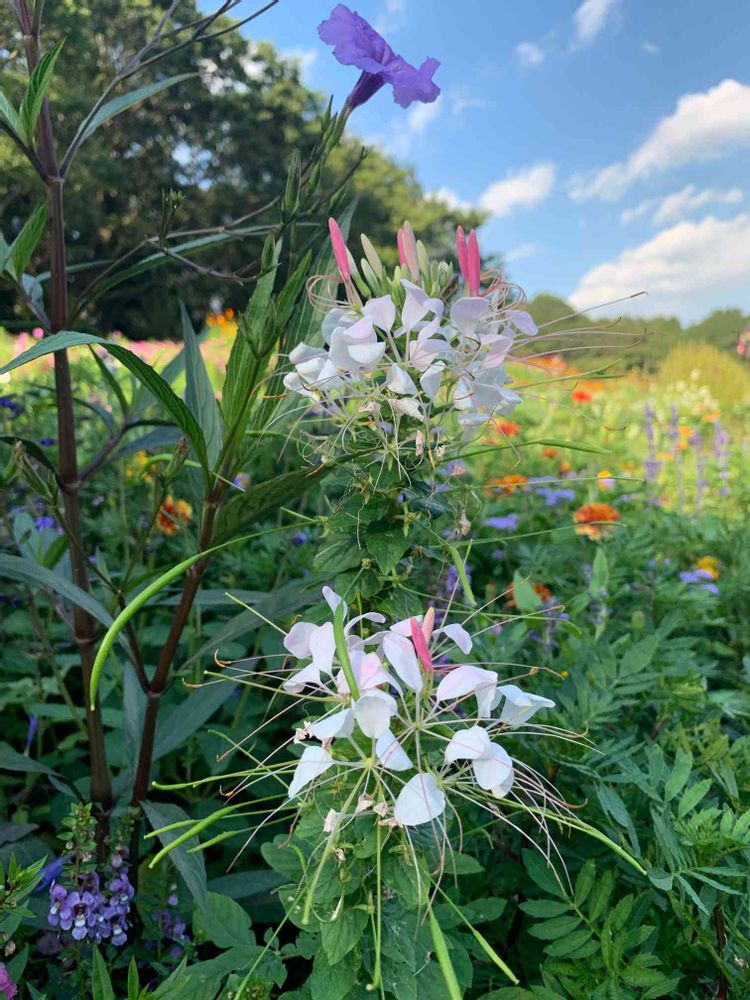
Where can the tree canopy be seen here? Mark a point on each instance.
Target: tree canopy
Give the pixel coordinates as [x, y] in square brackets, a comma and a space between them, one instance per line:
[221, 139]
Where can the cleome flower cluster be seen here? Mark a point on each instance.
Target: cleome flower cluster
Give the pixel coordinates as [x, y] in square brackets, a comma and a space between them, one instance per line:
[408, 728]
[406, 352]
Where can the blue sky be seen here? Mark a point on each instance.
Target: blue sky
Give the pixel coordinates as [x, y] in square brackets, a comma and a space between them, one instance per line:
[608, 138]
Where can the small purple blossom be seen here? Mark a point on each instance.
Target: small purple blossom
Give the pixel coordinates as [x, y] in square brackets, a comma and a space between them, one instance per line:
[31, 732]
[8, 988]
[506, 522]
[300, 538]
[700, 577]
[553, 497]
[45, 521]
[356, 43]
[9, 403]
[45, 442]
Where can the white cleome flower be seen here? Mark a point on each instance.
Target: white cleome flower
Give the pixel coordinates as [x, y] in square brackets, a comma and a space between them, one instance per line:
[468, 679]
[420, 800]
[519, 706]
[313, 762]
[492, 765]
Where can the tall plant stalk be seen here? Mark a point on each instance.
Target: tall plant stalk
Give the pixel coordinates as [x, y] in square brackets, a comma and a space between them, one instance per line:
[69, 481]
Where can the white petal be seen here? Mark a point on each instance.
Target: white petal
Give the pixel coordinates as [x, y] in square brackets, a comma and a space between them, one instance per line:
[400, 654]
[465, 680]
[415, 306]
[303, 352]
[391, 754]
[297, 639]
[501, 790]
[431, 380]
[339, 724]
[374, 712]
[367, 354]
[458, 634]
[332, 599]
[313, 762]
[369, 671]
[466, 313]
[322, 647]
[520, 706]
[467, 744]
[409, 407]
[419, 801]
[400, 381]
[382, 312]
[294, 383]
[308, 675]
[522, 321]
[492, 769]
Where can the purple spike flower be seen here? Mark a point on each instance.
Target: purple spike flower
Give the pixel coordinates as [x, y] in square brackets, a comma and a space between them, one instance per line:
[356, 43]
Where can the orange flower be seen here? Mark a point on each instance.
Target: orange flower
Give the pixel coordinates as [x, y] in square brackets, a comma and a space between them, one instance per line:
[581, 396]
[507, 427]
[507, 484]
[549, 452]
[564, 467]
[172, 515]
[539, 588]
[586, 517]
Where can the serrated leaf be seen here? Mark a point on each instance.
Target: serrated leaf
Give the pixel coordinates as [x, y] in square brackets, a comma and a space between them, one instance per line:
[199, 393]
[22, 249]
[36, 91]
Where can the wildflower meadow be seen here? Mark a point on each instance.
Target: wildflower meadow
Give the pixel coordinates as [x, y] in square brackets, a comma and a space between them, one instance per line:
[366, 631]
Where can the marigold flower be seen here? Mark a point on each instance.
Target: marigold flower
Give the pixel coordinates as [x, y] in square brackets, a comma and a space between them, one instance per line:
[549, 453]
[508, 428]
[172, 515]
[507, 484]
[581, 396]
[564, 467]
[710, 565]
[586, 519]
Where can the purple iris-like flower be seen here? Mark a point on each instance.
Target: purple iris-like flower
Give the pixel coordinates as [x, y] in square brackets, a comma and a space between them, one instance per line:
[508, 522]
[356, 43]
[8, 988]
[701, 577]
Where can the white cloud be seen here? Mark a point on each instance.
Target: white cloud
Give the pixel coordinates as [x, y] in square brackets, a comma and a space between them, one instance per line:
[305, 58]
[450, 198]
[406, 130]
[521, 252]
[674, 207]
[591, 17]
[524, 189]
[530, 54]
[650, 49]
[391, 17]
[703, 126]
[687, 270]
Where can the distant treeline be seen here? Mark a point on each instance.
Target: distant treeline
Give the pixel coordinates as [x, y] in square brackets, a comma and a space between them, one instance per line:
[637, 342]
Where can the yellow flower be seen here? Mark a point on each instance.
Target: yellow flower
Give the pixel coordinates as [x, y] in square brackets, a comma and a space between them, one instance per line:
[172, 515]
[710, 565]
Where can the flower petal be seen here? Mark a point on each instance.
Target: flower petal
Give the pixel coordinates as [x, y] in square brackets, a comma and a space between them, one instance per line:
[465, 680]
[297, 639]
[467, 744]
[519, 705]
[373, 713]
[492, 769]
[458, 634]
[382, 311]
[400, 654]
[391, 754]
[313, 762]
[420, 800]
[339, 724]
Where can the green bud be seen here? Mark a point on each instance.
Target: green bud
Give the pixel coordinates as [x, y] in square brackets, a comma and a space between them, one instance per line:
[290, 201]
[39, 479]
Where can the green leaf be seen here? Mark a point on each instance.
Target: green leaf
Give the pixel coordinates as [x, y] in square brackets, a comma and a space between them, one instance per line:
[134, 986]
[9, 115]
[329, 982]
[192, 867]
[36, 91]
[563, 946]
[693, 796]
[178, 722]
[552, 929]
[125, 101]
[584, 883]
[143, 372]
[526, 598]
[222, 922]
[199, 393]
[677, 780]
[386, 544]
[541, 872]
[25, 570]
[101, 984]
[22, 249]
[11, 760]
[544, 907]
[341, 935]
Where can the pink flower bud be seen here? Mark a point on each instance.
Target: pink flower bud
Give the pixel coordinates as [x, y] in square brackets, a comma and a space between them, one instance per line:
[417, 637]
[473, 264]
[339, 251]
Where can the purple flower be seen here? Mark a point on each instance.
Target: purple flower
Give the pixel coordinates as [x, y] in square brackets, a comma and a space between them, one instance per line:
[508, 522]
[701, 577]
[356, 43]
[46, 521]
[46, 441]
[300, 538]
[553, 497]
[8, 988]
[31, 732]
